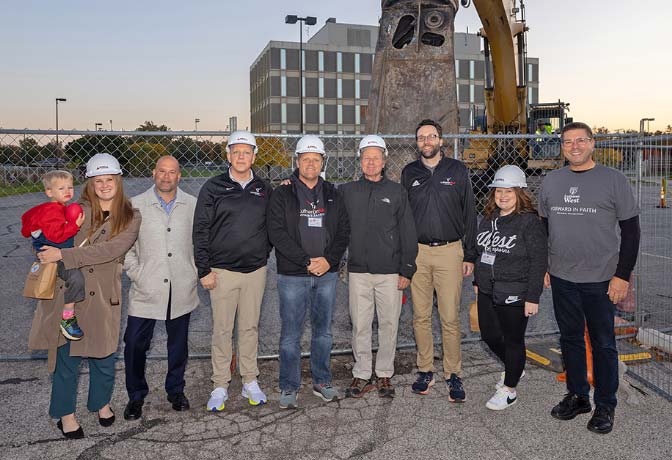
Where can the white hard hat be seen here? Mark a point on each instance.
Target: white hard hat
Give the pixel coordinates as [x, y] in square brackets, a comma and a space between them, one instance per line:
[101, 164]
[372, 140]
[310, 143]
[509, 176]
[241, 137]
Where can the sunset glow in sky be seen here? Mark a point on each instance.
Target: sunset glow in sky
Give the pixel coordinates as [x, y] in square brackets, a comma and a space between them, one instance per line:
[173, 61]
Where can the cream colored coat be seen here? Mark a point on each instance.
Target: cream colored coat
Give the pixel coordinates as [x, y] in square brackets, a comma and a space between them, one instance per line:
[99, 314]
[162, 257]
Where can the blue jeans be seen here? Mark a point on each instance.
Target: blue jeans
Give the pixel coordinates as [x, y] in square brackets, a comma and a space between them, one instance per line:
[298, 294]
[575, 305]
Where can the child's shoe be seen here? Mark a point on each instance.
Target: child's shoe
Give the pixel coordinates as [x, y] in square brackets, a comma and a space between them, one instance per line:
[70, 329]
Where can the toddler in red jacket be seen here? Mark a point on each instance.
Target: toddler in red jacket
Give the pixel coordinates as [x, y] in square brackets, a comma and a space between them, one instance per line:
[46, 224]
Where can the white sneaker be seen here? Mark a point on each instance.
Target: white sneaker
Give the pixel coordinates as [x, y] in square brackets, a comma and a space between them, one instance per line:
[217, 399]
[500, 384]
[253, 393]
[502, 399]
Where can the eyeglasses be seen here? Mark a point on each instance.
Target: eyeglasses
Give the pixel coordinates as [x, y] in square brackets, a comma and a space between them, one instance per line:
[430, 137]
[578, 140]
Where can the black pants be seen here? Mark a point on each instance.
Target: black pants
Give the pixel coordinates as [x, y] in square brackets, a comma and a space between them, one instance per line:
[137, 340]
[503, 330]
[74, 283]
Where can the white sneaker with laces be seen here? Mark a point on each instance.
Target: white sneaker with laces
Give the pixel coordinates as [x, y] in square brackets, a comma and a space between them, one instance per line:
[253, 393]
[502, 399]
[500, 384]
[217, 399]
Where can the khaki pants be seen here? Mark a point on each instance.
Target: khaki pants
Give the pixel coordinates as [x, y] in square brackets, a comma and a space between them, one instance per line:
[369, 291]
[239, 293]
[440, 269]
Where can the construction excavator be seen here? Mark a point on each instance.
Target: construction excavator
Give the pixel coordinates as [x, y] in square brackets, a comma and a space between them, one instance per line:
[507, 110]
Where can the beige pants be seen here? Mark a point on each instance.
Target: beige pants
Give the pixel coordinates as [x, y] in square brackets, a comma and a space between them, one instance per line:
[369, 292]
[239, 293]
[440, 269]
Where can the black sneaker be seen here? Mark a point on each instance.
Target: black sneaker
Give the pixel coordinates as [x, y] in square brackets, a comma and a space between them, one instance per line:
[456, 392]
[179, 401]
[423, 383]
[571, 406]
[602, 421]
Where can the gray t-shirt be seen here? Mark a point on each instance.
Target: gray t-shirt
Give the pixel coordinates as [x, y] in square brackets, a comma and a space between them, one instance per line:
[312, 218]
[583, 210]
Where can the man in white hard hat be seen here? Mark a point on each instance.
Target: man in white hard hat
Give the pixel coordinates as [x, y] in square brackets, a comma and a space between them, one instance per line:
[381, 262]
[163, 278]
[308, 226]
[231, 251]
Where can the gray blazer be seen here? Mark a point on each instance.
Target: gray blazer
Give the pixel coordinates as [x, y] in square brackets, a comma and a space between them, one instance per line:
[163, 256]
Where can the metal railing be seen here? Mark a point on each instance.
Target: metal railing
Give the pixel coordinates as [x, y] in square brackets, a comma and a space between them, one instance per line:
[646, 160]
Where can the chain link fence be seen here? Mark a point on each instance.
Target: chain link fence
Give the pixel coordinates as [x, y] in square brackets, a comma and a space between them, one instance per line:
[645, 319]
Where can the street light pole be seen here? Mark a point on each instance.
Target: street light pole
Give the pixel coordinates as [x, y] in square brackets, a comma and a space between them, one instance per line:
[311, 21]
[111, 125]
[58, 99]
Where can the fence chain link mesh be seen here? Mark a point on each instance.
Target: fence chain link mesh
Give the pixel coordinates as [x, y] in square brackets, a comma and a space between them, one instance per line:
[646, 318]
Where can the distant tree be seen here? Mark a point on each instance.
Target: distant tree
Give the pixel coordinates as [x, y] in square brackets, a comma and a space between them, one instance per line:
[80, 150]
[151, 126]
[600, 130]
[143, 158]
[668, 129]
[12, 155]
[184, 149]
[272, 151]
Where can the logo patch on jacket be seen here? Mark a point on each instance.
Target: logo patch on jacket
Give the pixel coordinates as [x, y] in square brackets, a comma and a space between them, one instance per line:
[448, 181]
[257, 191]
[415, 183]
[511, 299]
[386, 200]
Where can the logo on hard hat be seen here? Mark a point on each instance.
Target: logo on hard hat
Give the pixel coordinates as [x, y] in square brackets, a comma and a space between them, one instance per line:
[311, 147]
[101, 167]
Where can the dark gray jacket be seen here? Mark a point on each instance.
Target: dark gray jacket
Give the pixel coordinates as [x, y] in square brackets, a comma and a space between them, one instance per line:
[382, 230]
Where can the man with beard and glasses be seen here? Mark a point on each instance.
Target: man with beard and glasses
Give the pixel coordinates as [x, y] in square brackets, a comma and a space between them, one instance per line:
[440, 195]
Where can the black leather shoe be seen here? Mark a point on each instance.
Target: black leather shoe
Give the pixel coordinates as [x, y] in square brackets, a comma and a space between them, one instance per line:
[133, 409]
[180, 402]
[77, 434]
[107, 421]
[571, 406]
[602, 421]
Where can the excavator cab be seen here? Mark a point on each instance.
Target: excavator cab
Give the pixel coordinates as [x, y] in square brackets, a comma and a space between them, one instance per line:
[546, 120]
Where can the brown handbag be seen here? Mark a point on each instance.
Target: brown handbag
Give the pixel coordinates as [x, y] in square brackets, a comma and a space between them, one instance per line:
[41, 281]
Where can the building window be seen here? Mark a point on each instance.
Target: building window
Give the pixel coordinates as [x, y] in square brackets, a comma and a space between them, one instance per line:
[358, 119]
[339, 114]
[471, 70]
[303, 86]
[357, 90]
[283, 113]
[303, 60]
[339, 88]
[457, 92]
[339, 62]
[321, 88]
[322, 116]
[320, 61]
[471, 93]
[357, 67]
[530, 76]
[283, 86]
[283, 59]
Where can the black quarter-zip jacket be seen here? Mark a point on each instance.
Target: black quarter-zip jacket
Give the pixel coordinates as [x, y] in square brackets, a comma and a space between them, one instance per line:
[382, 229]
[442, 201]
[230, 225]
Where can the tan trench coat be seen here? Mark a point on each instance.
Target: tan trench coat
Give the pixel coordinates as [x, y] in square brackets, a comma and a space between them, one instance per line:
[99, 314]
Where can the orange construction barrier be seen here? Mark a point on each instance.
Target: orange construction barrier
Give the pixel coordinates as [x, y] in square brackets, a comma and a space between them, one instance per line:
[562, 377]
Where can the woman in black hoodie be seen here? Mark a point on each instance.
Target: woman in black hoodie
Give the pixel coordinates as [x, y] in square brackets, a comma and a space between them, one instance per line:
[509, 275]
